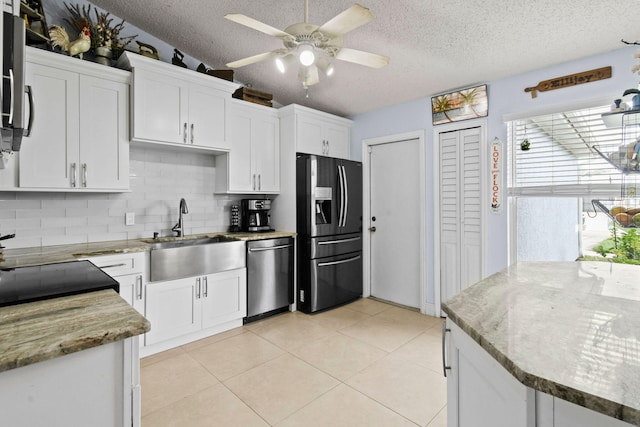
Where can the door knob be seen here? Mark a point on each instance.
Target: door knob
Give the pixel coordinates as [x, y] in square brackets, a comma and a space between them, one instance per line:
[372, 229]
[373, 218]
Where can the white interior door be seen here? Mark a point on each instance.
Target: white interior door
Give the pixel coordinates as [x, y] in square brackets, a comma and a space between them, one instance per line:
[395, 195]
[460, 209]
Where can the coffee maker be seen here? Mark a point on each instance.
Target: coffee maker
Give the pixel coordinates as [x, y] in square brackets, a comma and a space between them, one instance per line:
[255, 215]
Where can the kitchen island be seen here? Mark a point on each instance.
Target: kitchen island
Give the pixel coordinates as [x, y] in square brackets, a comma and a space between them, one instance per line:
[546, 344]
[70, 361]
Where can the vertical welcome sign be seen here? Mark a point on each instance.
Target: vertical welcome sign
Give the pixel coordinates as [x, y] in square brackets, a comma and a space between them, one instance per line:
[495, 175]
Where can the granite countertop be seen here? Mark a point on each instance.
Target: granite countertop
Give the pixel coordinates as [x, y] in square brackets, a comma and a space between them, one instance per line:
[43, 330]
[569, 329]
[61, 253]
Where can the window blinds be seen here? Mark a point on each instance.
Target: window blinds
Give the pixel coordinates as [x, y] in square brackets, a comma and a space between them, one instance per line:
[563, 158]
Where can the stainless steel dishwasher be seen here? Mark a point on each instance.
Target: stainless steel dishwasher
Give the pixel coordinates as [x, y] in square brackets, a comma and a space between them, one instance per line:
[269, 277]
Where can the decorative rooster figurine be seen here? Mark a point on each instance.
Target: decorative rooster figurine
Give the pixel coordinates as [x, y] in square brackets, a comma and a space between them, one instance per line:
[59, 37]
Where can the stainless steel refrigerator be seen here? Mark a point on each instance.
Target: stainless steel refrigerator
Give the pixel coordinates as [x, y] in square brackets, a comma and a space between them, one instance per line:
[329, 226]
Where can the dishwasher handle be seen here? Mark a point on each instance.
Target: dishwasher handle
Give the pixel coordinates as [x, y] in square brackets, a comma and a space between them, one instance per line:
[270, 248]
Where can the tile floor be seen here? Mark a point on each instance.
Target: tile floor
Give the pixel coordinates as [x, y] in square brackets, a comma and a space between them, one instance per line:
[364, 364]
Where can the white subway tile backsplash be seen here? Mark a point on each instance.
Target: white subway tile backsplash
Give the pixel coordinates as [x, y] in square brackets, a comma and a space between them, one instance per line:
[159, 179]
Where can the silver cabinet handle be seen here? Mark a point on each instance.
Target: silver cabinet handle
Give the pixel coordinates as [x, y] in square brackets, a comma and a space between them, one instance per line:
[29, 92]
[206, 286]
[445, 367]
[198, 283]
[184, 133]
[254, 181]
[73, 175]
[192, 133]
[328, 147]
[84, 174]
[344, 261]
[139, 287]
[112, 265]
[259, 181]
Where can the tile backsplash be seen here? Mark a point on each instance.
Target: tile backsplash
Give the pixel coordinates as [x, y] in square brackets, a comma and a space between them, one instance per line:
[159, 178]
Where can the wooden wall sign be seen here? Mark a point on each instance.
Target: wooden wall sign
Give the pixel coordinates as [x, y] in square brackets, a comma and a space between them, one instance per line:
[570, 80]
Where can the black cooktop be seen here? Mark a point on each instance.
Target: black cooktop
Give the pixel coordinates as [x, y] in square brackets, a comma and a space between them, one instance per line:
[34, 283]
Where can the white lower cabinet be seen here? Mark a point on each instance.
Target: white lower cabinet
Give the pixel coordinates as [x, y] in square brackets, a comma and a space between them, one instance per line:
[482, 393]
[181, 307]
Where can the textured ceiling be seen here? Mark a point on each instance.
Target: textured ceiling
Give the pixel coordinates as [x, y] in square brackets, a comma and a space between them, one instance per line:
[434, 46]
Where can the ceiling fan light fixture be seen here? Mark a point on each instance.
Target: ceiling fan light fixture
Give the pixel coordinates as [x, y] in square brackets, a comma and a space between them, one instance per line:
[283, 62]
[326, 67]
[308, 76]
[306, 55]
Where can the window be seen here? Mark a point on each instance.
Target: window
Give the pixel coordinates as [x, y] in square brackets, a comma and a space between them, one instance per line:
[571, 160]
[570, 154]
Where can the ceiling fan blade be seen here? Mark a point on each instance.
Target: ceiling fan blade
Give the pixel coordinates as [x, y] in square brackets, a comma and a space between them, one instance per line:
[253, 59]
[256, 25]
[372, 60]
[346, 21]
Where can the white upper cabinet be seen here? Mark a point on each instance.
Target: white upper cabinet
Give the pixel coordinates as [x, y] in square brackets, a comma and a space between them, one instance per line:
[253, 165]
[319, 133]
[80, 120]
[178, 107]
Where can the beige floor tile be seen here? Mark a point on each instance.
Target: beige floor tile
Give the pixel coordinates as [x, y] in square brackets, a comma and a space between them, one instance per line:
[214, 339]
[292, 331]
[159, 357]
[440, 420]
[424, 350]
[280, 387]
[345, 407]
[235, 355]
[412, 317]
[215, 406]
[338, 355]
[408, 389]
[172, 379]
[338, 318]
[385, 334]
[368, 306]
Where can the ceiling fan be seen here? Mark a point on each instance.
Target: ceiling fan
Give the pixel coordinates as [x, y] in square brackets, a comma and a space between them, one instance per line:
[313, 46]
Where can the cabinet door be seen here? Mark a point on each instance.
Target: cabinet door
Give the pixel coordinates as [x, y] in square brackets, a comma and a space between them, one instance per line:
[207, 117]
[224, 297]
[265, 149]
[104, 149]
[480, 392]
[337, 139]
[173, 309]
[309, 137]
[159, 108]
[132, 290]
[241, 178]
[49, 157]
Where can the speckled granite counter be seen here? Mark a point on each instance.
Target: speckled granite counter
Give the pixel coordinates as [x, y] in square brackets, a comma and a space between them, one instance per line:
[571, 330]
[61, 253]
[43, 330]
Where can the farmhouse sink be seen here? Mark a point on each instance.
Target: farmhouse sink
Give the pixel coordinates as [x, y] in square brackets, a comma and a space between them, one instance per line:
[167, 244]
[177, 259]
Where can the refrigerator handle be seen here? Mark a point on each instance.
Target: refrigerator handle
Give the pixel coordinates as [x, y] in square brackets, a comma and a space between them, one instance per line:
[346, 197]
[341, 213]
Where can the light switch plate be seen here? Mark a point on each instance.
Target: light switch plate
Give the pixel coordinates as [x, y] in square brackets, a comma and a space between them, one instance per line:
[129, 218]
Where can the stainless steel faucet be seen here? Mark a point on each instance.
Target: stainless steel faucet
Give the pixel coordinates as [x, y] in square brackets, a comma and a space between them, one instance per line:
[179, 227]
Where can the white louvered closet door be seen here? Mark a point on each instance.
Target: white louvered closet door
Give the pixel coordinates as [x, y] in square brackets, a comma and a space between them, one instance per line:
[460, 210]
